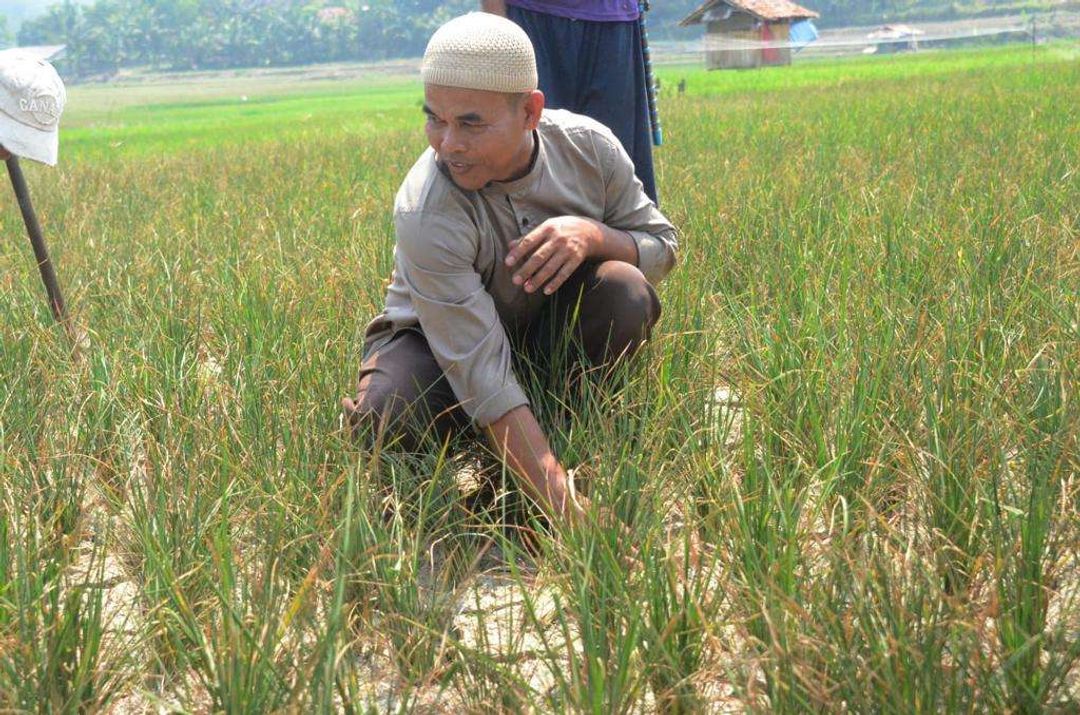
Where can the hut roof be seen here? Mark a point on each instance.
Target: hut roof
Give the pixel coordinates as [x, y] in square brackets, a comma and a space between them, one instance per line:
[770, 10]
[45, 52]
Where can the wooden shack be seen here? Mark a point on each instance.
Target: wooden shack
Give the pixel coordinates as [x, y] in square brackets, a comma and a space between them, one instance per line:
[741, 34]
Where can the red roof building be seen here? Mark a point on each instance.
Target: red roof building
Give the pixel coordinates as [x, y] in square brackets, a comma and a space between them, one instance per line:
[747, 33]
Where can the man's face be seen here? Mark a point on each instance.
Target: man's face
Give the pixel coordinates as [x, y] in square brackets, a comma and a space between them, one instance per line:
[481, 136]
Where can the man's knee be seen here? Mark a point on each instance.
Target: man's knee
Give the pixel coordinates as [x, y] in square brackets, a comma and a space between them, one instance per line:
[621, 309]
[382, 402]
[403, 398]
[632, 299]
[380, 409]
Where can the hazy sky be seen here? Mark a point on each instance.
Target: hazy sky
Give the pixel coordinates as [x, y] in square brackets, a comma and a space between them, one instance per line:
[18, 10]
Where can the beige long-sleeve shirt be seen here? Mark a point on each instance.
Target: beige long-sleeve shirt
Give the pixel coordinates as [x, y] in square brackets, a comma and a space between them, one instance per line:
[450, 280]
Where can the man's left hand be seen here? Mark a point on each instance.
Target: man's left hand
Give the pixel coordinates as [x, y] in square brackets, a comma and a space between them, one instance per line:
[553, 251]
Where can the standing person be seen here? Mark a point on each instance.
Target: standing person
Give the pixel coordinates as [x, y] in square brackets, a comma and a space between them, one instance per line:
[589, 60]
[517, 228]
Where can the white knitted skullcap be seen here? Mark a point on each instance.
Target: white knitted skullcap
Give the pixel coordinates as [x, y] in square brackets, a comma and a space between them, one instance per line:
[480, 51]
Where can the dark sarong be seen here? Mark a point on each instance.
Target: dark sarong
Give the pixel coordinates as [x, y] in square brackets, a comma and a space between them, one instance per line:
[595, 69]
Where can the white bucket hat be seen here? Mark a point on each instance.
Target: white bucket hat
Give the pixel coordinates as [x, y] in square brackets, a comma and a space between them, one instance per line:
[32, 98]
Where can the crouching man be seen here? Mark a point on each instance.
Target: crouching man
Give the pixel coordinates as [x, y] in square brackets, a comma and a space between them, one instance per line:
[514, 221]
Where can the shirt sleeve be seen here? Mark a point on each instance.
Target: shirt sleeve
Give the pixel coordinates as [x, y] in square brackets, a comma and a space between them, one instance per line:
[629, 209]
[434, 256]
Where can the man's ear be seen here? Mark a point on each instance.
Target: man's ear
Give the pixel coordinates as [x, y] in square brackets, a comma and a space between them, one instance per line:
[534, 107]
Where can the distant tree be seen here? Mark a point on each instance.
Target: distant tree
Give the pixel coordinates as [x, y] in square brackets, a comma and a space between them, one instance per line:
[7, 38]
[104, 35]
[100, 45]
[56, 27]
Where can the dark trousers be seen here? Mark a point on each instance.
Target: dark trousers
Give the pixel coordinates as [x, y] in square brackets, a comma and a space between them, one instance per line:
[603, 313]
[596, 69]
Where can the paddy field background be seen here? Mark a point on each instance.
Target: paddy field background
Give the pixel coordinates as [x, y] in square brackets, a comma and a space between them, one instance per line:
[861, 400]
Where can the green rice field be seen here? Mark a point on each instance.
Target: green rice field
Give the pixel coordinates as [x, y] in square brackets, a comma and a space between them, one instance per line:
[861, 402]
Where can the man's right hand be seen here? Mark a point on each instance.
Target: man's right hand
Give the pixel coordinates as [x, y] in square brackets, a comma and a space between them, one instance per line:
[519, 441]
[495, 7]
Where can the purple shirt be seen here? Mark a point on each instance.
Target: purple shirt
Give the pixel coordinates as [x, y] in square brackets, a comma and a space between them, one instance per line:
[596, 10]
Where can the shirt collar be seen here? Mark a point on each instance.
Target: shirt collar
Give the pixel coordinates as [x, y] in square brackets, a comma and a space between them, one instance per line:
[527, 182]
